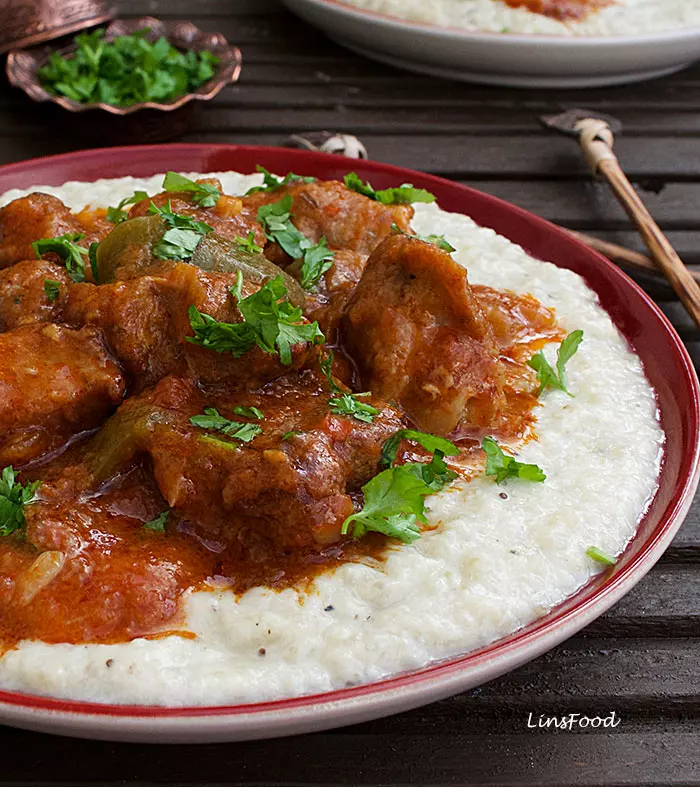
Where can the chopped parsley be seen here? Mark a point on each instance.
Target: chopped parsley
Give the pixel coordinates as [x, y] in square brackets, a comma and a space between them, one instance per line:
[344, 402]
[273, 324]
[503, 466]
[317, 260]
[203, 194]
[158, 524]
[426, 440]
[272, 182]
[551, 378]
[126, 70]
[594, 553]
[13, 498]
[394, 500]
[289, 435]
[213, 421]
[66, 246]
[249, 412]
[183, 236]
[117, 215]
[436, 240]
[248, 243]
[398, 195]
[52, 289]
[276, 219]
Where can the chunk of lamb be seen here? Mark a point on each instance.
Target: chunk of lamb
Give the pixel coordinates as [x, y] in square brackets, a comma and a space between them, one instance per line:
[230, 218]
[329, 209]
[23, 294]
[419, 338]
[146, 324]
[289, 487]
[36, 216]
[54, 383]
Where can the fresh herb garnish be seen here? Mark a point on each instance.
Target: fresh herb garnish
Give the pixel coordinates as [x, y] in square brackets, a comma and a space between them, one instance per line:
[203, 194]
[436, 240]
[276, 219]
[594, 553]
[290, 434]
[428, 441]
[214, 421]
[117, 215]
[52, 289]
[127, 70]
[317, 260]
[273, 324]
[548, 377]
[13, 498]
[249, 412]
[183, 236]
[66, 246]
[394, 500]
[158, 524]
[503, 466]
[248, 243]
[344, 402]
[272, 182]
[398, 195]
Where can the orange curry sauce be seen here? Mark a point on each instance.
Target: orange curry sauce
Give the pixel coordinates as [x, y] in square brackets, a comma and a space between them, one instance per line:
[563, 10]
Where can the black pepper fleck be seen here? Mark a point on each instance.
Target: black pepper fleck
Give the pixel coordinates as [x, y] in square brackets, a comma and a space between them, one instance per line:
[503, 496]
[109, 663]
[261, 652]
[329, 608]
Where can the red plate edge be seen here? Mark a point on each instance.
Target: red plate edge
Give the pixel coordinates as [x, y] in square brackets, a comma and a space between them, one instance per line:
[666, 361]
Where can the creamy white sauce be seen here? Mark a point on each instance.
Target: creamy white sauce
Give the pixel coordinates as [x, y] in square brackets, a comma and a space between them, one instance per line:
[624, 18]
[492, 566]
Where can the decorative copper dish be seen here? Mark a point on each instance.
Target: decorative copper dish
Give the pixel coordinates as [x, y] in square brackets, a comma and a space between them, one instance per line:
[23, 64]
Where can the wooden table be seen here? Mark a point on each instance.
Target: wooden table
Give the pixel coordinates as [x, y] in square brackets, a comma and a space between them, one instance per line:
[642, 659]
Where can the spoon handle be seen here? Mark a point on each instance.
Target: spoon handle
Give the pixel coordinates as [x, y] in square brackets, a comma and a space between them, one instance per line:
[596, 140]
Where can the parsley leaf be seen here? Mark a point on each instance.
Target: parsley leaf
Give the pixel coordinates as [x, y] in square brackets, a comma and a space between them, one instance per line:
[504, 466]
[214, 421]
[594, 553]
[344, 402]
[273, 324]
[158, 524]
[426, 440]
[52, 289]
[180, 241]
[66, 246]
[317, 260]
[203, 194]
[117, 215]
[436, 240]
[394, 500]
[272, 182]
[13, 498]
[397, 195]
[276, 221]
[248, 243]
[548, 377]
[125, 70]
[94, 267]
[289, 435]
[249, 412]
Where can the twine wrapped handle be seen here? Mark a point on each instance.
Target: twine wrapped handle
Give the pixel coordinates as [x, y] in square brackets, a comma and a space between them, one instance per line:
[596, 140]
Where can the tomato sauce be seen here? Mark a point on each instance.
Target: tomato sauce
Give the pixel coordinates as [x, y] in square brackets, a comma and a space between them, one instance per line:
[563, 10]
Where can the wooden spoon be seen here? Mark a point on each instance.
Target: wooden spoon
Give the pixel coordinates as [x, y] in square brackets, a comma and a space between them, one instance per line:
[596, 137]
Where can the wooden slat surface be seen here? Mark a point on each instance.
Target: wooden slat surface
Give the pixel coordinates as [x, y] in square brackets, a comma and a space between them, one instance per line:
[642, 658]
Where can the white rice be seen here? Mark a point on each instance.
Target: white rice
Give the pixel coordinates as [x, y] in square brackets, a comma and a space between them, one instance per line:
[624, 18]
[491, 567]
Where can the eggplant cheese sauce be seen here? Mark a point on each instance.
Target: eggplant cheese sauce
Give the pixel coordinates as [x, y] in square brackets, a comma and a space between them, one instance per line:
[548, 17]
[263, 436]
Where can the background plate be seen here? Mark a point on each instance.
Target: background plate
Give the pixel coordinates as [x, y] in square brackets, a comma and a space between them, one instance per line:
[650, 334]
[502, 58]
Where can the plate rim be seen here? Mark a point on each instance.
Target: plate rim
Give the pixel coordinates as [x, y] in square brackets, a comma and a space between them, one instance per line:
[434, 30]
[398, 692]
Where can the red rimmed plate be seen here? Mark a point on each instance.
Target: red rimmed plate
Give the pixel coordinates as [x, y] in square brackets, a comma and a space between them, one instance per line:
[667, 365]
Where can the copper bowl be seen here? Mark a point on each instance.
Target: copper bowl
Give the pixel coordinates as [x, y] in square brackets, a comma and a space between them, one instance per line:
[142, 121]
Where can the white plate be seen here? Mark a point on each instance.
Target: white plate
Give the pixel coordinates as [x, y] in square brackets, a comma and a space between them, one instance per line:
[503, 58]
